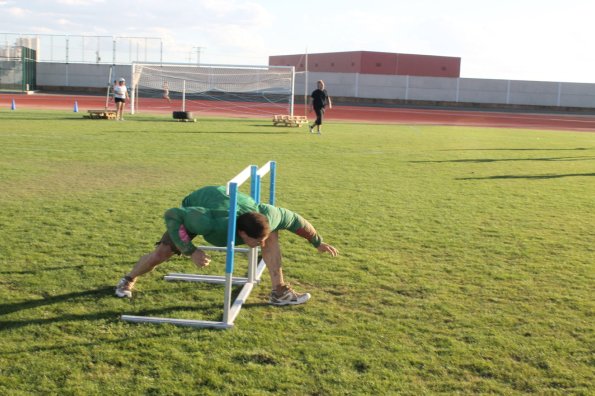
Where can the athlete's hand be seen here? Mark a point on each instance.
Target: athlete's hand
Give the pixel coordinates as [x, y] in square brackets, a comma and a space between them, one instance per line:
[200, 259]
[326, 248]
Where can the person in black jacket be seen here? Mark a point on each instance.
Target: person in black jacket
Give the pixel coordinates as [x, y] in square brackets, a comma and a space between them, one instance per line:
[320, 100]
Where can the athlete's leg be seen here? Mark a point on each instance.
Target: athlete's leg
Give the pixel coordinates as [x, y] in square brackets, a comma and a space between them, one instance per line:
[271, 254]
[151, 260]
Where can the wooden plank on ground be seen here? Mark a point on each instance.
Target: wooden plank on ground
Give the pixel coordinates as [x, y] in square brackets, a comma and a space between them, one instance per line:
[289, 121]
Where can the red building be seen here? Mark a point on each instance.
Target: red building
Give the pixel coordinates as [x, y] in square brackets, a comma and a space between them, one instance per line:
[368, 62]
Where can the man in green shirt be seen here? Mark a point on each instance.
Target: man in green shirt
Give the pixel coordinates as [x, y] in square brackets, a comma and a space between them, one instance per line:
[205, 212]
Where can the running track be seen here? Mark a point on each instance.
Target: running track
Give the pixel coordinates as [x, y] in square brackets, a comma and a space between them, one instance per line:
[390, 115]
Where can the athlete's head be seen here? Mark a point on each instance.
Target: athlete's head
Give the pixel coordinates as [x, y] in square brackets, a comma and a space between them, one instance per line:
[253, 228]
[320, 84]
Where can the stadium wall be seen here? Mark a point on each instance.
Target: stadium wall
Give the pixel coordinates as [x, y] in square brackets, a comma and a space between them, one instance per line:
[80, 77]
[463, 92]
[368, 88]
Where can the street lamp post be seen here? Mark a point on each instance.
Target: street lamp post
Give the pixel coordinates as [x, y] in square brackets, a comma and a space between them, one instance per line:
[198, 52]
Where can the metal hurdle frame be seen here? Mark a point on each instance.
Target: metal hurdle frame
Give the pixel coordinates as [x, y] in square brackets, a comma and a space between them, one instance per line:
[230, 310]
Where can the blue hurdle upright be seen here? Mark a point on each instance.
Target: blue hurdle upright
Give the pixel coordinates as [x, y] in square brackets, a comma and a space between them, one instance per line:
[255, 269]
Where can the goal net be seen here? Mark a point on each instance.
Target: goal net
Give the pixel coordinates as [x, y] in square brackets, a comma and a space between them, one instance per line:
[215, 89]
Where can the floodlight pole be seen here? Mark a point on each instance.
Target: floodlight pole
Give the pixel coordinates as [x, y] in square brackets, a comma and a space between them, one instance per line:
[184, 96]
[291, 100]
[306, 85]
[198, 52]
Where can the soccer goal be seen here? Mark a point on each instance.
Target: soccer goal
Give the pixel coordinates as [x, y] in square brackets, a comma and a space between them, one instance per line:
[223, 89]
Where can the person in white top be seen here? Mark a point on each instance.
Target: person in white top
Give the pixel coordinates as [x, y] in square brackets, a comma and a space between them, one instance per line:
[120, 96]
[166, 91]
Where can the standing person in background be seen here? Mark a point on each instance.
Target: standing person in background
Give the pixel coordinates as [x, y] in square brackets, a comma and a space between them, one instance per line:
[166, 91]
[320, 100]
[120, 96]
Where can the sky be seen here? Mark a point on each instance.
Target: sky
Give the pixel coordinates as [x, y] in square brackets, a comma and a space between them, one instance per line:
[538, 40]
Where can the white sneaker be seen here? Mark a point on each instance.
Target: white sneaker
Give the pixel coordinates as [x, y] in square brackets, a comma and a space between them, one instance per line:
[124, 287]
[288, 296]
[311, 129]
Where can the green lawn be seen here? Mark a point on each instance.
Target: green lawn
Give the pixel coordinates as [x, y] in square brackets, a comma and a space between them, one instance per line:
[466, 265]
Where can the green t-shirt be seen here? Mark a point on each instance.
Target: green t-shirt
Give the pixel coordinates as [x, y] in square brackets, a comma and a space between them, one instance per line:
[205, 212]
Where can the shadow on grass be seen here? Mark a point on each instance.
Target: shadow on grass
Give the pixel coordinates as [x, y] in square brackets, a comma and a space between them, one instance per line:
[530, 177]
[203, 123]
[102, 292]
[248, 305]
[199, 132]
[482, 160]
[46, 118]
[226, 132]
[92, 317]
[69, 346]
[48, 269]
[20, 306]
[519, 149]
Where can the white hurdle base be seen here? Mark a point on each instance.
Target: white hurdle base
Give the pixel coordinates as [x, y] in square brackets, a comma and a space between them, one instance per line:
[222, 249]
[234, 309]
[179, 322]
[217, 279]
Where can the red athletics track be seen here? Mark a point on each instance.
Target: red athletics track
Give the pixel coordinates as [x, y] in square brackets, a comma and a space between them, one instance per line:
[569, 122]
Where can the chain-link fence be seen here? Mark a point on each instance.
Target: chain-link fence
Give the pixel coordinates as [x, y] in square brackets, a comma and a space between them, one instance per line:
[87, 49]
[17, 68]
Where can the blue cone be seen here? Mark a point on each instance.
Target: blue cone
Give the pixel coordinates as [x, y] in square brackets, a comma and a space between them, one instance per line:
[13, 106]
[76, 107]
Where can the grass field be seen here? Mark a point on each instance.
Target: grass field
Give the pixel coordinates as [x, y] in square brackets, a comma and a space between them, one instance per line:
[466, 266]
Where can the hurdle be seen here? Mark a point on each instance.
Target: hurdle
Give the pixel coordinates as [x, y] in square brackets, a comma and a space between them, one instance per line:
[255, 270]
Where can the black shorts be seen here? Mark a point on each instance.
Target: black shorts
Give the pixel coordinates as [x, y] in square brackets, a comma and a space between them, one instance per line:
[319, 115]
[123, 100]
[166, 240]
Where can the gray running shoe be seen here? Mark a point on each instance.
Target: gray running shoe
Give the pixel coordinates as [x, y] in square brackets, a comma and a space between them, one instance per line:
[124, 287]
[288, 296]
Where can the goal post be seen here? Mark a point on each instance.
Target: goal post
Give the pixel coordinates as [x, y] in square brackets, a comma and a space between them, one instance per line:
[241, 89]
